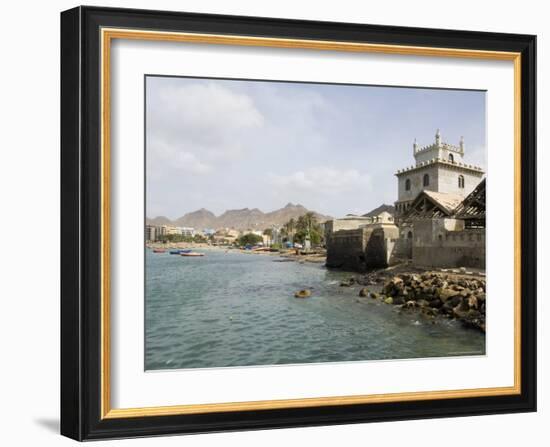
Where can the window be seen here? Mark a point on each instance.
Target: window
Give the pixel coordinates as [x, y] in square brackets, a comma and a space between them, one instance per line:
[426, 180]
[451, 158]
[461, 181]
[408, 184]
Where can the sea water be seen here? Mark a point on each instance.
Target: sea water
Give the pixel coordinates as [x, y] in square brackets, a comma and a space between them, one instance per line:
[231, 308]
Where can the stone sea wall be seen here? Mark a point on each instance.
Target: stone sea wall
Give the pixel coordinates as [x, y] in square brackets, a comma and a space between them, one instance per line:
[363, 248]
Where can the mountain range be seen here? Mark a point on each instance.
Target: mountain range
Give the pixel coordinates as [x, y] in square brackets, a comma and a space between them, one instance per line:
[242, 219]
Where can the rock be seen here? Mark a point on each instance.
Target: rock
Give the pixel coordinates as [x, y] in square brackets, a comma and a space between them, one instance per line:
[388, 300]
[345, 284]
[422, 303]
[472, 302]
[374, 295]
[462, 269]
[398, 300]
[364, 292]
[455, 300]
[465, 292]
[445, 294]
[410, 304]
[304, 293]
[437, 303]
[396, 281]
[429, 311]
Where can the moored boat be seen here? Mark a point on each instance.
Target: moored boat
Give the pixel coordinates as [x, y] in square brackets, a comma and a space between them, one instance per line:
[159, 250]
[192, 253]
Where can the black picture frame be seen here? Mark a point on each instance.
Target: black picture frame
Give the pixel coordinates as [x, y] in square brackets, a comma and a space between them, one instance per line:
[81, 223]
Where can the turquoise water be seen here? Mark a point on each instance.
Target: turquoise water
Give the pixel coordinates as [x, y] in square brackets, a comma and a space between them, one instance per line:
[238, 309]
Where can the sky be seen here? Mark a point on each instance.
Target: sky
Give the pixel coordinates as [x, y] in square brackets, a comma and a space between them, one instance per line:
[232, 144]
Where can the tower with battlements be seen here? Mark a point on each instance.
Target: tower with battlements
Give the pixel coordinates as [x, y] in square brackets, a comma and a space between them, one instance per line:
[439, 167]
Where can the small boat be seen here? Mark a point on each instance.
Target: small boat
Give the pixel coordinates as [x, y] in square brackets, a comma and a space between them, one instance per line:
[175, 252]
[159, 250]
[187, 250]
[192, 253]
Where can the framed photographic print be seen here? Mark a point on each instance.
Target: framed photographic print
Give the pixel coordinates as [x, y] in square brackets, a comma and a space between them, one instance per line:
[277, 223]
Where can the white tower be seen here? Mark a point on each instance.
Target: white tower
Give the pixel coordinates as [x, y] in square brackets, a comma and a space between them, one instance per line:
[439, 167]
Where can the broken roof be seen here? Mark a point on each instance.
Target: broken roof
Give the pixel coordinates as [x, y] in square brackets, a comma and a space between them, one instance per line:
[473, 206]
[430, 204]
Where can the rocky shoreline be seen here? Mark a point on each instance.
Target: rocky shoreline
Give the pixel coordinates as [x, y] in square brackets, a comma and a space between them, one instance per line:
[434, 294]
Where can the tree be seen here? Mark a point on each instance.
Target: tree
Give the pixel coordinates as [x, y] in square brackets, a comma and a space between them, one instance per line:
[268, 232]
[308, 226]
[250, 239]
[199, 238]
[289, 229]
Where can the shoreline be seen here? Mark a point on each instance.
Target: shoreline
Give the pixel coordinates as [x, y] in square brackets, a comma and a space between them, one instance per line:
[457, 294]
[317, 257]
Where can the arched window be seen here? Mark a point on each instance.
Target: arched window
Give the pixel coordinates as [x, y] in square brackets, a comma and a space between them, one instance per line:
[409, 235]
[426, 180]
[408, 184]
[461, 181]
[451, 158]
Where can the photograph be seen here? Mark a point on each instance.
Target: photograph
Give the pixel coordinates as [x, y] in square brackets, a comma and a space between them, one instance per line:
[291, 223]
[273, 221]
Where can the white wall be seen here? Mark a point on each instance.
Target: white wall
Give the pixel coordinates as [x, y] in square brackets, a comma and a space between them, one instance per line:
[29, 173]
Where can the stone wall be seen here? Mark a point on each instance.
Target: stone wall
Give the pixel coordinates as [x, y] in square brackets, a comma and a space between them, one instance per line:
[446, 243]
[448, 179]
[416, 177]
[363, 248]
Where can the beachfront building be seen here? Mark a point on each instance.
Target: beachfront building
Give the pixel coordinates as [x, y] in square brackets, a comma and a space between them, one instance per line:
[150, 233]
[440, 168]
[226, 236]
[208, 232]
[187, 231]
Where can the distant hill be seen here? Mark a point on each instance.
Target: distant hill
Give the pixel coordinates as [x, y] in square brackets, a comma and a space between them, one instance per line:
[197, 219]
[241, 219]
[388, 208]
[159, 220]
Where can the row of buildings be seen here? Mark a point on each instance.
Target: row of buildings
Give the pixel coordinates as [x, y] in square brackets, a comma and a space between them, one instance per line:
[221, 236]
[438, 219]
[155, 233]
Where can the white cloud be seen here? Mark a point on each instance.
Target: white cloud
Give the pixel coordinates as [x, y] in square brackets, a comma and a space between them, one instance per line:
[204, 123]
[161, 155]
[324, 180]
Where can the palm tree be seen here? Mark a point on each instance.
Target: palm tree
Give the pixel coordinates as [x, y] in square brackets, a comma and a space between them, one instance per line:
[290, 228]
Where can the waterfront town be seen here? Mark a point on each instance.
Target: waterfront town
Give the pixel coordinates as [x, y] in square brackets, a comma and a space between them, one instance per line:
[428, 249]
[438, 220]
